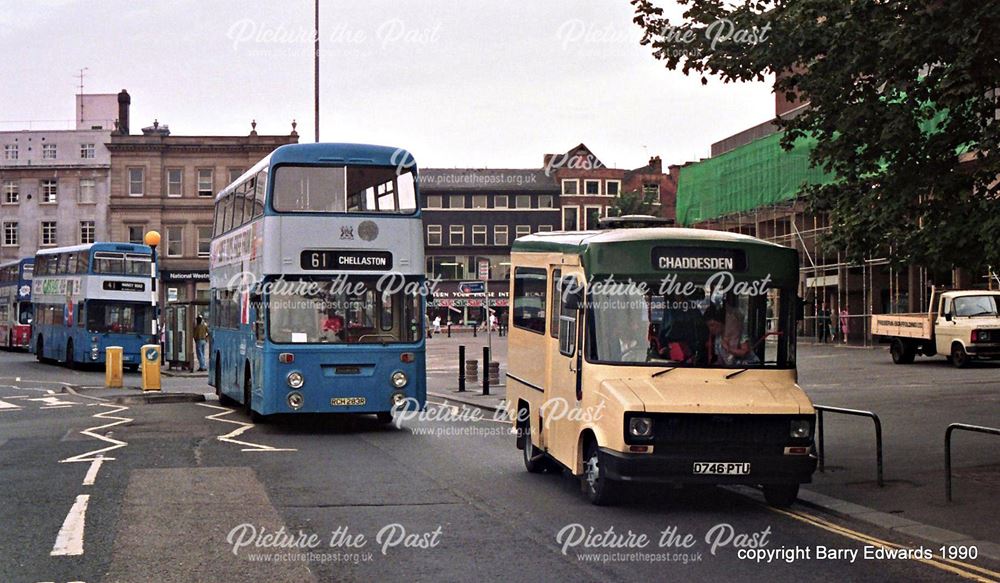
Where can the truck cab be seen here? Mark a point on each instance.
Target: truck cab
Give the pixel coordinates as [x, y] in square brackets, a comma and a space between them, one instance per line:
[967, 326]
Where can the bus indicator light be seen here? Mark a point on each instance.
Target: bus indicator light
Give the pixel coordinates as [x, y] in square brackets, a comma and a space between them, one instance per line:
[286, 358]
[407, 357]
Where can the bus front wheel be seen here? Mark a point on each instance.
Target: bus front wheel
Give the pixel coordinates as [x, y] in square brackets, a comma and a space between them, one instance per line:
[781, 495]
[40, 349]
[70, 361]
[600, 490]
[248, 398]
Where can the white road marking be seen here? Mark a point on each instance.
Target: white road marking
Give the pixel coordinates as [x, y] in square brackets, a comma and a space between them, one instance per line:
[52, 401]
[4, 406]
[57, 407]
[243, 427]
[70, 538]
[50, 391]
[95, 466]
[90, 432]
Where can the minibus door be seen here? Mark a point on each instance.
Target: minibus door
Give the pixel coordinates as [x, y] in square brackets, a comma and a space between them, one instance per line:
[562, 398]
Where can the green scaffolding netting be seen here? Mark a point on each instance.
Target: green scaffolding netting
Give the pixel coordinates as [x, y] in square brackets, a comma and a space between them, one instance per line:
[749, 177]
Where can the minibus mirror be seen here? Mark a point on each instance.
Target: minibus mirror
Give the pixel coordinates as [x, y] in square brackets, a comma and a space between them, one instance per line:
[573, 300]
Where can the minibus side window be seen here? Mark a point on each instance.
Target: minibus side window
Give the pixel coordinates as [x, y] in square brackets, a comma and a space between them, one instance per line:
[556, 304]
[530, 286]
[567, 321]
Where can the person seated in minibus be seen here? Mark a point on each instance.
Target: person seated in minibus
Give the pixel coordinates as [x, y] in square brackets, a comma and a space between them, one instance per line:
[728, 344]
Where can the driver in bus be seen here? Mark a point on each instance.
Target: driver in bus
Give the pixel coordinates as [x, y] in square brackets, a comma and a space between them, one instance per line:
[333, 327]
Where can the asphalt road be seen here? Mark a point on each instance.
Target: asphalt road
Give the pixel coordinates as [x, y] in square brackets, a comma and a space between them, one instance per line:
[191, 491]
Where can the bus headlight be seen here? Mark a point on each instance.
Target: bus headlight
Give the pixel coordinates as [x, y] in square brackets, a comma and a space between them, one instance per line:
[801, 428]
[94, 352]
[399, 379]
[398, 399]
[640, 427]
[295, 380]
[295, 400]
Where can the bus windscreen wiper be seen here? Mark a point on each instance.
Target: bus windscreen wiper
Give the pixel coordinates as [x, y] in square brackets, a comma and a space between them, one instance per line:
[664, 371]
[739, 372]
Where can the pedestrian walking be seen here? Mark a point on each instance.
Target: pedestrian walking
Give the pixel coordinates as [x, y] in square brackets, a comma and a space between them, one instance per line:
[437, 324]
[200, 341]
[844, 324]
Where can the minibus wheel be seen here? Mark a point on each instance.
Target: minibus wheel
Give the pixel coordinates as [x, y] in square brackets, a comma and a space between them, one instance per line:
[781, 495]
[600, 490]
[534, 459]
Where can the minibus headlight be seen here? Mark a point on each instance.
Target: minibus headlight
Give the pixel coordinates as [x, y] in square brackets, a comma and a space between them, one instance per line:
[399, 379]
[295, 380]
[640, 427]
[801, 428]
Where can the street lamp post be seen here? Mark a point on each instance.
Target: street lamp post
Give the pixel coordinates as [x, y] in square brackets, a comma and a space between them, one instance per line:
[152, 239]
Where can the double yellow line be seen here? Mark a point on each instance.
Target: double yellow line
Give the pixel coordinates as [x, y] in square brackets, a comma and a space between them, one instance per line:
[971, 572]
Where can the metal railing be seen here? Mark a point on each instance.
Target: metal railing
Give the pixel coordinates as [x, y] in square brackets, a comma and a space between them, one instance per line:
[947, 449]
[820, 409]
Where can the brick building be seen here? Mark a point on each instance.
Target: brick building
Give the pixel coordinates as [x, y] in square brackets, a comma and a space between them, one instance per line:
[167, 183]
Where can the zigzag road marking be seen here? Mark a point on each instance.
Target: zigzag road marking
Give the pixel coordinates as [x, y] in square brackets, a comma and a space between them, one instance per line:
[243, 427]
[91, 456]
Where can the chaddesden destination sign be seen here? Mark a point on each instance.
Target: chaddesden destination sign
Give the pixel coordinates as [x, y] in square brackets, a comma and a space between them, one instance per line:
[695, 259]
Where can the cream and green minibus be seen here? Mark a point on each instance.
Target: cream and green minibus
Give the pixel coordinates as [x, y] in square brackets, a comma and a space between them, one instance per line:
[659, 355]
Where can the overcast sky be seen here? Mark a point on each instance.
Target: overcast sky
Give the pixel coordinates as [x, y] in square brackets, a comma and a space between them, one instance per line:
[458, 82]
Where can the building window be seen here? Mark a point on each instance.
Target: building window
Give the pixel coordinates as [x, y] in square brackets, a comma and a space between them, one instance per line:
[456, 201]
[500, 235]
[87, 232]
[11, 235]
[48, 151]
[11, 194]
[50, 191]
[592, 214]
[136, 181]
[571, 218]
[571, 187]
[651, 188]
[205, 180]
[175, 182]
[522, 231]
[175, 241]
[478, 234]
[545, 201]
[204, 241]
[500, 201]
[88, 191]
[434, 235]
[544, 228]
[135, 235]
[456, 235]
[479, 201]
[522, 201]
[48, 233]
[10, 152]
[613, 187]
[234, 174]
[592, 187]
[88, 151]
[434, 201]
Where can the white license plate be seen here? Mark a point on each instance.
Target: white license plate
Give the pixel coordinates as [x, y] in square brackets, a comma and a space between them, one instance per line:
[722, 468]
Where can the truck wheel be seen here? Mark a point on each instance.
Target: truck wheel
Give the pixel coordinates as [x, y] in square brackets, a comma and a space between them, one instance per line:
[781, 495]
[959, 358]
[902, 352]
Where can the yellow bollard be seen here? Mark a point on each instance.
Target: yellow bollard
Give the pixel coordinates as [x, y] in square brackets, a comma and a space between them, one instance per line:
[150, 356]
[113, 367]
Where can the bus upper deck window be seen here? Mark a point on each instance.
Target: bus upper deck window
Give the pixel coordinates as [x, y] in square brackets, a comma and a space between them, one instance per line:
[310, 189]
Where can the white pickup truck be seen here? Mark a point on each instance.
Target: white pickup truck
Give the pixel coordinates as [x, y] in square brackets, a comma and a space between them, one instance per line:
[962, 325]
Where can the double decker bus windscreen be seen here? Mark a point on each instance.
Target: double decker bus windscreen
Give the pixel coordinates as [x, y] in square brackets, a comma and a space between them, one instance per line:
[337, 189]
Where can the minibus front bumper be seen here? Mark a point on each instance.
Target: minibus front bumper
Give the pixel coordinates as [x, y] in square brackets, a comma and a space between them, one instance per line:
[672, 468]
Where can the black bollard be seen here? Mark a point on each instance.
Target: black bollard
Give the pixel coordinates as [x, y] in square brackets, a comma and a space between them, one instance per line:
[449, 329]
[486, 370]
[461, 368]
[474, 329]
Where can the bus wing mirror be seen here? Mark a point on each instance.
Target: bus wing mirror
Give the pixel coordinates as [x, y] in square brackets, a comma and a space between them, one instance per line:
[573, 299]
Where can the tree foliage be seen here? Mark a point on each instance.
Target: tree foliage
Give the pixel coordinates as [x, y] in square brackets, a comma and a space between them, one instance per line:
[635, 203]
[902, 100]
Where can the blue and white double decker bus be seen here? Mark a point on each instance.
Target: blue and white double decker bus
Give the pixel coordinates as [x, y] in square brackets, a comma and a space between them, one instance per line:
[89, 297]
[317, 273]
[15, 303]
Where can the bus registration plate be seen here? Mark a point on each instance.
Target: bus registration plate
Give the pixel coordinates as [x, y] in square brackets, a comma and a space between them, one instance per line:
[722, 468]
[347, 401]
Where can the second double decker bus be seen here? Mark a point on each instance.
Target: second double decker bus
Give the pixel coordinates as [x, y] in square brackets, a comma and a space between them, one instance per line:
[15, 303]
[317, 268]
[89, 297]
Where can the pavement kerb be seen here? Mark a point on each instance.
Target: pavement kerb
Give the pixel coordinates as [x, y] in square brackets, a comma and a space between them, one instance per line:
[465, 401]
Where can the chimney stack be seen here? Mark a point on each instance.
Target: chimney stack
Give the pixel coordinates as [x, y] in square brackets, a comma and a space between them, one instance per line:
[123, 105]
[656, 165]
